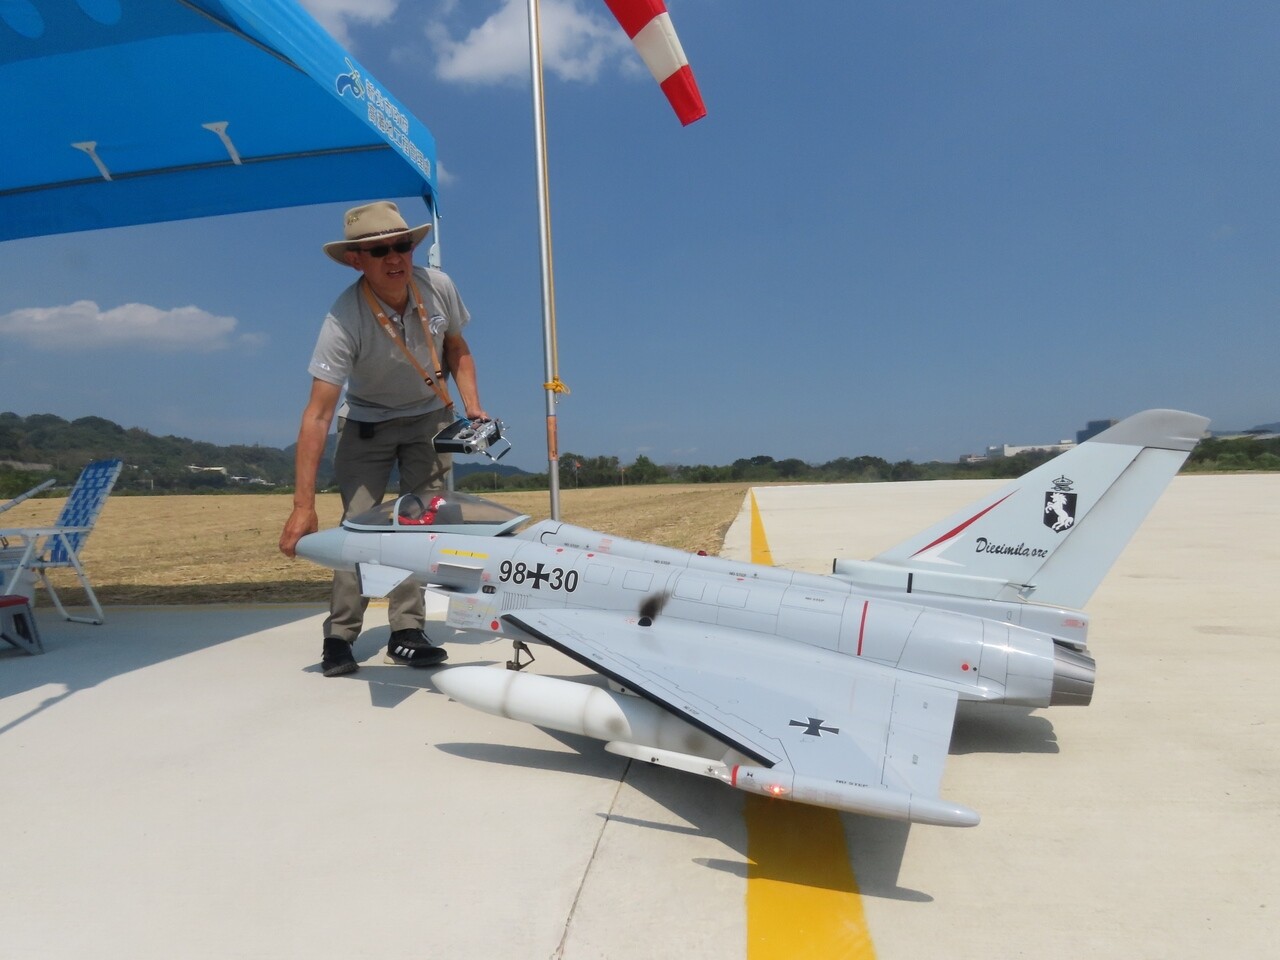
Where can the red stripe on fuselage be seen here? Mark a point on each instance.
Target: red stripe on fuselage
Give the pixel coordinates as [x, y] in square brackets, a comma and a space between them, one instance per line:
[862, 627]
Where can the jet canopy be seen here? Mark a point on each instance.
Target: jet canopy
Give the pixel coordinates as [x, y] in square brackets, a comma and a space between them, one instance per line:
[444, 512]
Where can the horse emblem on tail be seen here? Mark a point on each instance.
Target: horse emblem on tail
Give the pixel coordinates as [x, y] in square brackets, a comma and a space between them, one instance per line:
[1060, 510]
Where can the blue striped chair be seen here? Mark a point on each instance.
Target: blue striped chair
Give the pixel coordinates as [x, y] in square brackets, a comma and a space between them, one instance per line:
[27, 554]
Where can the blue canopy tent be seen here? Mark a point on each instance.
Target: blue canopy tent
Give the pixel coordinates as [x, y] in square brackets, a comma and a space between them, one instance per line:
[120, 112]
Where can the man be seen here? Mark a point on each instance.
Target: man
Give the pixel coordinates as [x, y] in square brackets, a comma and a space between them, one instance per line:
[392, 338]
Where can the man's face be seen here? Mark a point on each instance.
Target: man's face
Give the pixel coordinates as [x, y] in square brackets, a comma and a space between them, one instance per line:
[388, 274]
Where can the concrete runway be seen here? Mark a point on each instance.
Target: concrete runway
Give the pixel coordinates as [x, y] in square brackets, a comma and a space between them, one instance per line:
[1144, 825]
[182, 782]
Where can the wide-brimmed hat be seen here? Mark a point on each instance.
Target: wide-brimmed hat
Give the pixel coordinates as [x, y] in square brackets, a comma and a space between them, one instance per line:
[381, 220]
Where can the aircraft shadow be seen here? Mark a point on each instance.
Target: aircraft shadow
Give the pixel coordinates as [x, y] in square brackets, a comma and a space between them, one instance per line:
[582, 763]
[1000, 728]
[798, 838]
[875, 847]
[389, 684]
[706, 808]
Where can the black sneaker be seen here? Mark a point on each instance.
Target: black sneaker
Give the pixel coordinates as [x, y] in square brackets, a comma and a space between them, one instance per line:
[411, 648]
[337, 658]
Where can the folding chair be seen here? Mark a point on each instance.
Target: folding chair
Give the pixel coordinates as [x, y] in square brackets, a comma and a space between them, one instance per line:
[29, 553]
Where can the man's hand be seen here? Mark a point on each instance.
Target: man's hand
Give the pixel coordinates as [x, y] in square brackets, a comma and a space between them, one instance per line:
[311, 439]
[302, 521]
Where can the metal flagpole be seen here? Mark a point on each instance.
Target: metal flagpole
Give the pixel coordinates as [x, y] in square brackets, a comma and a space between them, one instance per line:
[552, 384]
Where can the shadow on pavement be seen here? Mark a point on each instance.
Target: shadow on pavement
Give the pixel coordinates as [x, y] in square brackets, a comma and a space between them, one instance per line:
[80, 656]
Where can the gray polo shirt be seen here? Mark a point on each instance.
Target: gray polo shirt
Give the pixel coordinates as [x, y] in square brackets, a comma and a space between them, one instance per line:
[355, 350]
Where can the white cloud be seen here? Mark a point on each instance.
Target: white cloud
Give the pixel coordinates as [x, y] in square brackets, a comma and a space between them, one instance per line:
[336, 15]
[83, 325]
[576, 44]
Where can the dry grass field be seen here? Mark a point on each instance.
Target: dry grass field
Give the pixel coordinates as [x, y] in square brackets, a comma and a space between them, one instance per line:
[223, 549]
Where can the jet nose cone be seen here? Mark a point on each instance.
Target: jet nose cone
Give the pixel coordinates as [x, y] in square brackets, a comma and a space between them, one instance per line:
[325, 548]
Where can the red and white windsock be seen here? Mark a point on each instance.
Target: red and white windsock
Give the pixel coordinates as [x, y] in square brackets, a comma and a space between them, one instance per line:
[649, 26]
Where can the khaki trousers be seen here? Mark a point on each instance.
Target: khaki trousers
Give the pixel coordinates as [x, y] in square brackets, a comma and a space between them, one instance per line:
[362, 467]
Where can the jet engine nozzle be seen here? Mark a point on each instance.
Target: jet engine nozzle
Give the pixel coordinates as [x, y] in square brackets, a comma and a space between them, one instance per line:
[1073, 676]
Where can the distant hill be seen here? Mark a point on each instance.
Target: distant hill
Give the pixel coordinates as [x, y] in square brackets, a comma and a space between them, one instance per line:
[45, 444]
[32, 448]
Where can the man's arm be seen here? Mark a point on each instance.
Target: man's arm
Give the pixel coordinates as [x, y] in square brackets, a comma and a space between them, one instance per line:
[312, 434]
[463, 367]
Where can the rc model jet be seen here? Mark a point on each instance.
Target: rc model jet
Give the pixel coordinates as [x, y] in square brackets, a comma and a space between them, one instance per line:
[836, 690]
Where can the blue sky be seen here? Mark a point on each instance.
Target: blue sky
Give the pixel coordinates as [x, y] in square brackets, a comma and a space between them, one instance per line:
[905, 229]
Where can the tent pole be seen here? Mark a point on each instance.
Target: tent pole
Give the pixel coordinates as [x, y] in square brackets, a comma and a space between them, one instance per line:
[552, 381]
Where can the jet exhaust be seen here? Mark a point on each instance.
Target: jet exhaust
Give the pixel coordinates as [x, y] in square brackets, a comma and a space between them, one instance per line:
[1073, 676]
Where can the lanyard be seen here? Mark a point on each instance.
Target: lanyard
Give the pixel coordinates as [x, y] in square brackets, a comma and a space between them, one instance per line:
[386, 324]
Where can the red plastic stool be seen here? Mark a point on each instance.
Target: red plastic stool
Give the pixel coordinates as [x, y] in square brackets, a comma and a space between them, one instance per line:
[17, 625]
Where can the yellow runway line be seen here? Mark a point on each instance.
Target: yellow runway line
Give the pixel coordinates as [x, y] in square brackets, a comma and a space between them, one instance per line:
[760, 552]
[802, 897]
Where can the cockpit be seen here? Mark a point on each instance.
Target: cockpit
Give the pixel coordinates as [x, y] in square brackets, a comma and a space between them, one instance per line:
[444, 512]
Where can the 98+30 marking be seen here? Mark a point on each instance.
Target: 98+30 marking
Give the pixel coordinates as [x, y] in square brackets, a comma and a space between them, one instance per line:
[556, 578]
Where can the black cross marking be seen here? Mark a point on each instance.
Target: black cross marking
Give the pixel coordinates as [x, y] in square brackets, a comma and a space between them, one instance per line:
[539, 576]
[814, 728]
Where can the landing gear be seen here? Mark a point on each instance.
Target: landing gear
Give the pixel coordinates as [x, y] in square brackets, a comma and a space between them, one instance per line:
[520, 648]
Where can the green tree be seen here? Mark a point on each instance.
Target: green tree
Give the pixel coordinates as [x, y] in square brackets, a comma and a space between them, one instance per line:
[644, 470]
[791, 469]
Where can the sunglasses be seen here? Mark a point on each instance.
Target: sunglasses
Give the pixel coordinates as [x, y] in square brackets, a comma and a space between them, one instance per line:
[382, 249]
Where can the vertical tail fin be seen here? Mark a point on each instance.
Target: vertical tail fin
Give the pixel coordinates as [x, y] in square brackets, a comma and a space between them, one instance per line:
[1053, 533]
